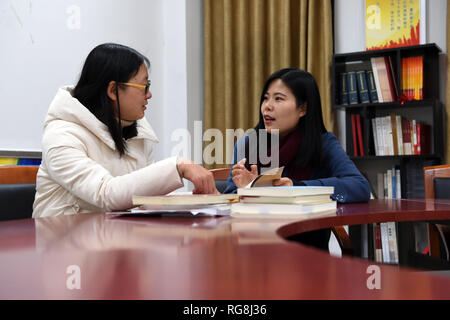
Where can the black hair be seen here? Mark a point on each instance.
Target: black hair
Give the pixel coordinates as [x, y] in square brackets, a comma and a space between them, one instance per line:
[105, 63]
[311, 126]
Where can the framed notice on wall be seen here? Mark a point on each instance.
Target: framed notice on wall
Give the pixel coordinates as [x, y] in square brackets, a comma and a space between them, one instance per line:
[394, 23]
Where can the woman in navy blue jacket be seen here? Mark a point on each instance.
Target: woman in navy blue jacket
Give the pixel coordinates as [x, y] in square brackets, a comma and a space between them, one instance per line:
[290, 107]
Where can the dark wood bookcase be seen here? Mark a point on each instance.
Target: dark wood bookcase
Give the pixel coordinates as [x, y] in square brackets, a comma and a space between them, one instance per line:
[429, 110]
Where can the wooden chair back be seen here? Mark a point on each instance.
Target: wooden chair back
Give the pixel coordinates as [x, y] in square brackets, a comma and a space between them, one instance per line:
[18, 174]
[436, 232]
[221, 173]
[430, 173]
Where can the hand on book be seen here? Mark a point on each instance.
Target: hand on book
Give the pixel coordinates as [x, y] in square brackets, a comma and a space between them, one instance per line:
[283, 182]
[241, 176]
[202, 179]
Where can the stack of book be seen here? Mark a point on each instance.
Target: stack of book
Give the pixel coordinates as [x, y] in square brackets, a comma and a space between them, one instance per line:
[283, 202]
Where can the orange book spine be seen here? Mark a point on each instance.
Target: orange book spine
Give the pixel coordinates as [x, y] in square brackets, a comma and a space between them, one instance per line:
[421, 77]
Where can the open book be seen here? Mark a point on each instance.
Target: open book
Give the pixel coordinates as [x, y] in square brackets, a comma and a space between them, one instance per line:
[266, 178]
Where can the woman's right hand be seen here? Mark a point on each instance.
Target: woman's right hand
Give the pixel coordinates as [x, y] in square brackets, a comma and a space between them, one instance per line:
[202, 179]
[241, 176]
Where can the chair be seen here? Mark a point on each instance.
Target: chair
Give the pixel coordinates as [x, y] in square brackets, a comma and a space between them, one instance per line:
[221, 175]
[437, 186]
[17, 191]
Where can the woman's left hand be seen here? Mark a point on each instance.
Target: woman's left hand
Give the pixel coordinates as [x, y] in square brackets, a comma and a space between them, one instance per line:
[283, 182]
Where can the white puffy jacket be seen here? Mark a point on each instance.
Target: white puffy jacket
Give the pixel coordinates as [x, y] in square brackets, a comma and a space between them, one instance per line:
[82, 171]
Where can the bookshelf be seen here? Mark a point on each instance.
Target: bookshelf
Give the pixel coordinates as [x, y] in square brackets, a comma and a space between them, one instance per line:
[374, 158]
[427, 111]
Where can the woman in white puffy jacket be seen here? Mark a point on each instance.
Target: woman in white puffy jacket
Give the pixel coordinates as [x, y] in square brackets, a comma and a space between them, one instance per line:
[97, 145]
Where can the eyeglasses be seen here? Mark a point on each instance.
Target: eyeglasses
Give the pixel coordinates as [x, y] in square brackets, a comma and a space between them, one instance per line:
[147, 86]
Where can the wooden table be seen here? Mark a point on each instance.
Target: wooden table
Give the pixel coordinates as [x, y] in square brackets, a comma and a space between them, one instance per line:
[204, 258]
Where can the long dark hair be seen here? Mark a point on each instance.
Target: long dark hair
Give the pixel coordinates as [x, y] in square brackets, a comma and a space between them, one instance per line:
[105, 63]
[311, 126]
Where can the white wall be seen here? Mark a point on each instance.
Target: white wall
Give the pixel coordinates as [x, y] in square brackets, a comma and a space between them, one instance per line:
[44, 44]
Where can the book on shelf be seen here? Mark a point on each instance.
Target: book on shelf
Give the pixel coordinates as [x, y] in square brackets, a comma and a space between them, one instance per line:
[376, 79]
[380, 185]
[343, 89]
[394, 134]
[392, 242]
[398, 122]
[360, 137]
[384, 242]
[412, 78]
[406, 130]
[352, 88]
[394, 184]
[377, 242]
[354, 135]
[398, 182]
[375, 137]
[361, 81]
[380, 136]
[390, 79]
[372, 87]
[387, 127]
[381, 77]
[389, 183]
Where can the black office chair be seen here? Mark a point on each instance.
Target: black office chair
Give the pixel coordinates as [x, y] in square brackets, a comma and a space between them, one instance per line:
[16, 201]
[17, 191]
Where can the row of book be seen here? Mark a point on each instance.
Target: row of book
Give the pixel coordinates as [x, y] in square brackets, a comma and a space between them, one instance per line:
[385, 242]
[394, 135]
[389, 184]
[412, 78]
[377, 81]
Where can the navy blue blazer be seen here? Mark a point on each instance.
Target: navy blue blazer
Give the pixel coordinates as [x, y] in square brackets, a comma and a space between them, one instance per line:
[337, 170]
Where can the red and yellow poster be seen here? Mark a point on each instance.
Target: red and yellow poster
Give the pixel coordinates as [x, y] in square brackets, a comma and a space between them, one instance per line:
[392, 23]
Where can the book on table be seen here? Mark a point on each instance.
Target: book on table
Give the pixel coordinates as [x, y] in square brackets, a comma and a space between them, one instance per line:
[181, 205]
[267, 210]
[294, 191]
[185, 199]
[283, 202]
